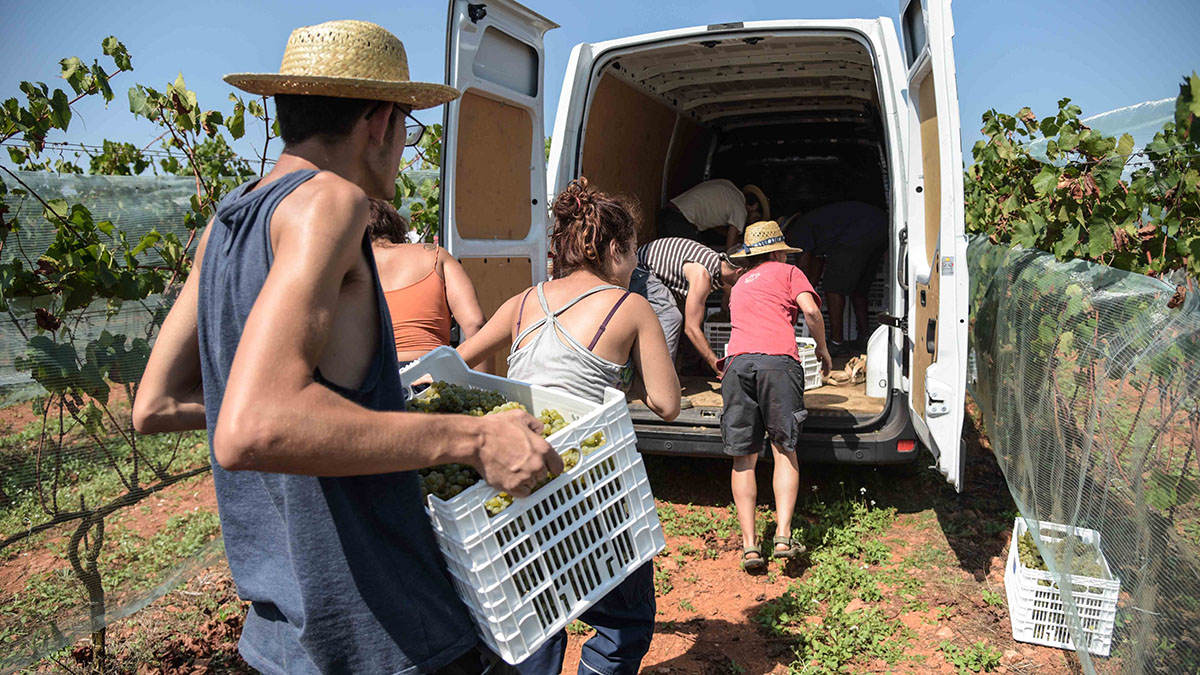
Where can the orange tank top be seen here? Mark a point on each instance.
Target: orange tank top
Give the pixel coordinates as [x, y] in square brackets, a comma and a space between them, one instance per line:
[420, 314]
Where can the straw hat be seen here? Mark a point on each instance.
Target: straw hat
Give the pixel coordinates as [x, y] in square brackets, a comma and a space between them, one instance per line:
[345, 59]
[763, 237]
[757, 193]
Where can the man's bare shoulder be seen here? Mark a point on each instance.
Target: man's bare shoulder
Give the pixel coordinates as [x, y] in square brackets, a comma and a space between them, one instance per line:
[326, 203]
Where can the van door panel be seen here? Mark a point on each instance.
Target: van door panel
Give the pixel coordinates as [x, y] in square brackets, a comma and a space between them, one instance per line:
[493, 197]
[493, 208]
[937, 254]
[493, 279]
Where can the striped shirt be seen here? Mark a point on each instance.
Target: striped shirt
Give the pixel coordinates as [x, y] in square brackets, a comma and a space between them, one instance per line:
[666, 258]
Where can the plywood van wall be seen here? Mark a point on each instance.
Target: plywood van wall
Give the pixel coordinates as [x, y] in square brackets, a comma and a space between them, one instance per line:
[495, 141]
[625, 146]
[689, 151]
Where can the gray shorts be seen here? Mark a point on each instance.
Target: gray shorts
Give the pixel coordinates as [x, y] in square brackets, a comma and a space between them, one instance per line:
[763, 395]
[647, 284]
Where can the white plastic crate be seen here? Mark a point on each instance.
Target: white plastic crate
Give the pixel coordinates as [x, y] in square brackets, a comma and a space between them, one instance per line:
[530, 570]
[812, 365]
[808, 358]
[717, 333]
[1035, 605]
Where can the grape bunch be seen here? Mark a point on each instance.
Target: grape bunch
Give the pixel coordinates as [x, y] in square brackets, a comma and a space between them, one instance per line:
[553, 421]
[1071, 554]
[505, 407]
[444, 397]
[447, 481]
[570, 458]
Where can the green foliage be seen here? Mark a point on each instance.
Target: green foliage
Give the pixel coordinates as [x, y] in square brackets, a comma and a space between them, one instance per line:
[977, 658]
[423, 197]
[1079, 206]
[844, 569]
[993, 598]
[86, 463]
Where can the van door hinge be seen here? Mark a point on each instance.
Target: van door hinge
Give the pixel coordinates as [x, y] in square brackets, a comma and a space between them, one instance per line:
[938, 396]
[900, 322]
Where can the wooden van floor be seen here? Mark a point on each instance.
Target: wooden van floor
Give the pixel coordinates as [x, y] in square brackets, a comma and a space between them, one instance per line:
[827, 400]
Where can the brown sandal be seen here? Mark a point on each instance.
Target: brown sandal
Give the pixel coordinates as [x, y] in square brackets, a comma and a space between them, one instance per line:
[751, 564]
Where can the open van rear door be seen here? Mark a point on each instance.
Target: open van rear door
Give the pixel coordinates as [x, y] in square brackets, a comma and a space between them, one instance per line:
[493, 182]
[937, 245]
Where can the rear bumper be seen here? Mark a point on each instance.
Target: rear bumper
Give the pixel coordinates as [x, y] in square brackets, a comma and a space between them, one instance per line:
[875, 444]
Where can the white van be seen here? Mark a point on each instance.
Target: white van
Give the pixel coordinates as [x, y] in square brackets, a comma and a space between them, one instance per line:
[789, 103]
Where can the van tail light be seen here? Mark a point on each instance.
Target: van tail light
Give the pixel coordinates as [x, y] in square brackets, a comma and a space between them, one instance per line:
[906, 446]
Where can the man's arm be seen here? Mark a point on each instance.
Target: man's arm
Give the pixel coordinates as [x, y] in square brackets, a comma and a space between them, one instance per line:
[276, 418]
[816, 327]
[170, 396]
[699, 286]
[732, 234]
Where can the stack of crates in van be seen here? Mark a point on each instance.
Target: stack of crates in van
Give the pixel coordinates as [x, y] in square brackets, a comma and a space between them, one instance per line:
[536, 565]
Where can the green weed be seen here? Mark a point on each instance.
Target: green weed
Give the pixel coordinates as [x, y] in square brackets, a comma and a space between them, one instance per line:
[977, 658]
[578, 627]
[686, 605]
[993, 598]
[845, 544]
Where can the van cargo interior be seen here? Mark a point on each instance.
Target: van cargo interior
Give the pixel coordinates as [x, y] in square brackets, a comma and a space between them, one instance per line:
[797, 114]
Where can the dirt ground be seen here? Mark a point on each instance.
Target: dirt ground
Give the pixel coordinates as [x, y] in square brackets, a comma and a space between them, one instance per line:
[706, 604]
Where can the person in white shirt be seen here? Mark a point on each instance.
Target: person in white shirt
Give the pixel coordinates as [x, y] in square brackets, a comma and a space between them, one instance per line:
[712, 209]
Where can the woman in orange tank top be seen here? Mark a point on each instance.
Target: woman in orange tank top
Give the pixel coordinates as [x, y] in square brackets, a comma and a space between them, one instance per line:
[423, 285]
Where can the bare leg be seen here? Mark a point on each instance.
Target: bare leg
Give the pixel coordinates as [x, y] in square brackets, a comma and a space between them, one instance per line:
[745, 495]
[837, 307]
[859, 301]
[787, 484]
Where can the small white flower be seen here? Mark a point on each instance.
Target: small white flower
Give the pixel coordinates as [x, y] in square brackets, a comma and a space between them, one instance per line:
[872, 502]
[814, 488]
[862, 490]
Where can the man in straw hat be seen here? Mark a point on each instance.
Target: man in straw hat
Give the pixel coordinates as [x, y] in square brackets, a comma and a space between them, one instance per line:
[280, 345]
[763, 384]
[714, 212]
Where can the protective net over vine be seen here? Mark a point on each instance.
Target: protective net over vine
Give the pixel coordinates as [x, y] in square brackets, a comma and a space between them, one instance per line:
[95, 520]
[1088, 383]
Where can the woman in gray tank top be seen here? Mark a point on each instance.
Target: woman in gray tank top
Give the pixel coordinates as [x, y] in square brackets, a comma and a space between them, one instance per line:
[579, 333]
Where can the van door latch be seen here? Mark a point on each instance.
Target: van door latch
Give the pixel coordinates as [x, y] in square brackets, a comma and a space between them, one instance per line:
[476, 12]
[900, 322]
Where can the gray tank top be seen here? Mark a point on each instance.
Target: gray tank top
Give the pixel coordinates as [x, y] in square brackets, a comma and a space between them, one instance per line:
[343, 574]
[555, 359]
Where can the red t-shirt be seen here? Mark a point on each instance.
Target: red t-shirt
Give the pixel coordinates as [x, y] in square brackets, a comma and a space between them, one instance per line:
[763, 309]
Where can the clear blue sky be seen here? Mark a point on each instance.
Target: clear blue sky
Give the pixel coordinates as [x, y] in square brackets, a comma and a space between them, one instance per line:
[1103, 54]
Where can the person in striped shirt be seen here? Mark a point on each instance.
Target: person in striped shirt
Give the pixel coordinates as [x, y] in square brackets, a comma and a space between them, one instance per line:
[675, 271]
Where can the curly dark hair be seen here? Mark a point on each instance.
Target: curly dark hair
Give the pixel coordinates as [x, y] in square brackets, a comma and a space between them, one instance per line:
[386, 224]
[586, 222]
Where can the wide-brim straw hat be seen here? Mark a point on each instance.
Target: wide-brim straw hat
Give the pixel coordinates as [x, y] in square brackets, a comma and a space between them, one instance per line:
[764, 237]
[763, 202]
[345, 59]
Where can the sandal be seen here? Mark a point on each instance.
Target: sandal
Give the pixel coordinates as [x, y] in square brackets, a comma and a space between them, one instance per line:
[794, 548]
[750, 564]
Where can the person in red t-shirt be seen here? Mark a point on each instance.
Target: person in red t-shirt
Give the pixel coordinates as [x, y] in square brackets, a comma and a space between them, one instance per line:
[762, 384]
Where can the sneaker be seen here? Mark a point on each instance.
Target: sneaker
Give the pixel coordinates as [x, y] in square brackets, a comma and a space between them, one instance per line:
[837, 348]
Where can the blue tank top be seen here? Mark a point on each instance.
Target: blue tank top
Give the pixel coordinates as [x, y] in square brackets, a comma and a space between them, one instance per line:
[343, 574]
